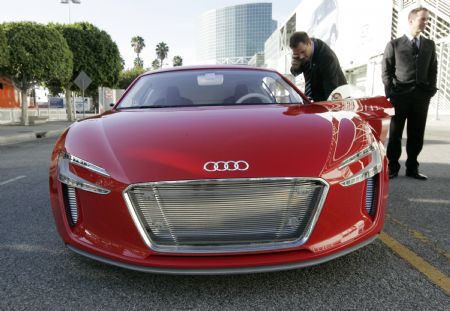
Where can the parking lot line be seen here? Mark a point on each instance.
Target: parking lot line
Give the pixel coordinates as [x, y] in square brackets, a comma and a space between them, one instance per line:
[430, 201]
[418, 236]
[431, 272]
[11, 180]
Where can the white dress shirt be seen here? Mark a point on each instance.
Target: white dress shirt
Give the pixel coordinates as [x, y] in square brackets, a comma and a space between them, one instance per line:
[411, 38]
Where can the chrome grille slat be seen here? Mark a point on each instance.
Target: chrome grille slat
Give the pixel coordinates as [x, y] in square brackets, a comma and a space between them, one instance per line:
[72, 204]
[226, 215]
[371, 194]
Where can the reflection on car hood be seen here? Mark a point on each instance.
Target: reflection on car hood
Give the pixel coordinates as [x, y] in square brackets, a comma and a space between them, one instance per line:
[174, 144]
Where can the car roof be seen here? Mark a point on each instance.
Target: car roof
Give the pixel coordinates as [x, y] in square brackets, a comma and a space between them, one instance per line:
[206, 67]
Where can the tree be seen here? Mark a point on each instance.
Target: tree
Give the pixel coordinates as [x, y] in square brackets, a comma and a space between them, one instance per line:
[177, 61]
[156, 64]
[95, 53]
[128, 76]
[138, 62]
[4, 51]
[38, 54]
[161, 52]
[138, 44]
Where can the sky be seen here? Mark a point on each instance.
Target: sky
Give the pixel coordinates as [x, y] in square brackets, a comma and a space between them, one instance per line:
[170, 21]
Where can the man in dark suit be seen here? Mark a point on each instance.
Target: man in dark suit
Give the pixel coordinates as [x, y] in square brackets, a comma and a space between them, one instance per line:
[409, 76]
[319, 65]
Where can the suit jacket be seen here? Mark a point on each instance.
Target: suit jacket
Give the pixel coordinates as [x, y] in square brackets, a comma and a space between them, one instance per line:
[326, 72]
[403, 72]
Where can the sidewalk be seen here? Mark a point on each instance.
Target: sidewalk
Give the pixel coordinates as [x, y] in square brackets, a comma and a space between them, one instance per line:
[442, 123]
[436, 127]
[11, 134]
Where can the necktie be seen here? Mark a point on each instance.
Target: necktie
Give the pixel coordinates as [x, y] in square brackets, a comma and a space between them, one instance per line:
[414, 46]
[307, 75]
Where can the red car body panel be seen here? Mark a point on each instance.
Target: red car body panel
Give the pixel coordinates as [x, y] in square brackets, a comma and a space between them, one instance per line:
[171, 144]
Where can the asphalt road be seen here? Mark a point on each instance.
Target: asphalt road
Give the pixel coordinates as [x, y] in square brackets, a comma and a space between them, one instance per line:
[39, 273]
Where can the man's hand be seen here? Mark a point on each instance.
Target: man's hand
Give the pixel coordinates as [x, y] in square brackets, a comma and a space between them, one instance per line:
[296, 62]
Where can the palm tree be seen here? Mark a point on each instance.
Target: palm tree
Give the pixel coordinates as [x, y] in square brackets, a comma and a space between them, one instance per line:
[138, 62]
[161, 51]
[177, 61]
[155, 64]
[138, 44]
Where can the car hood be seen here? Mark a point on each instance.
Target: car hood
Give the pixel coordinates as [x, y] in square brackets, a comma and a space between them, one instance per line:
[174, 144]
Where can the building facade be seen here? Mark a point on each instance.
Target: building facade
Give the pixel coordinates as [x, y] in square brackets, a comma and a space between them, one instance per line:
[439, 31]
[358, 31]
[9, 95]
[257, 60]
[232, 35]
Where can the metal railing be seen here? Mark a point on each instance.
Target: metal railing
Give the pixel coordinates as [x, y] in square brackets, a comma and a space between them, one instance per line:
[407, 3]
[241, 60]
[394, 28]
[441, 102]
[442, 6]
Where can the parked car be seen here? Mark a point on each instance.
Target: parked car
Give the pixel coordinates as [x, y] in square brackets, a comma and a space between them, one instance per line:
[221, 169]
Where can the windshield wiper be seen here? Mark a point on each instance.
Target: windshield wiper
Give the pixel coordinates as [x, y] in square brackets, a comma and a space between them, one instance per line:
[153, 106]
[139, 107]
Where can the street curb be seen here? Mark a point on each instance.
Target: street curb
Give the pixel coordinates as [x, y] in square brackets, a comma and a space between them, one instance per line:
[52, 133]
[17, 138]
[24, 137]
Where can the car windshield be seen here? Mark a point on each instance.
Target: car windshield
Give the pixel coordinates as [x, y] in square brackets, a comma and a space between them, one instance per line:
[186, 88]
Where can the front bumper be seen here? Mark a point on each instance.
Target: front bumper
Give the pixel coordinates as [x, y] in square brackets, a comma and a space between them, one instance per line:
[233, 270]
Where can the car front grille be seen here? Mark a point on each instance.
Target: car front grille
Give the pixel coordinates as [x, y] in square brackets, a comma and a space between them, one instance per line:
[227, 215]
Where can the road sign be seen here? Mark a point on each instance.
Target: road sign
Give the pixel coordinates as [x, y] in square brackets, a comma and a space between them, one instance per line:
[82, 80]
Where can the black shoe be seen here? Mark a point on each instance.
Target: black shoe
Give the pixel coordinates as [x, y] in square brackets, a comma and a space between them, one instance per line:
[393, 174]
[416, 175]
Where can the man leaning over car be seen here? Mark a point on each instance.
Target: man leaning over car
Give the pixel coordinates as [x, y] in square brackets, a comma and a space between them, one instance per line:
[319, 65]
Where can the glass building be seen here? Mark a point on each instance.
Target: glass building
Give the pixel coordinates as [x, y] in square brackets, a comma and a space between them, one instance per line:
[232, 35]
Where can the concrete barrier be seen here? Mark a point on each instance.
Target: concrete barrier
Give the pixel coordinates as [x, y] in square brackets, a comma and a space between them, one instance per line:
[12, 115]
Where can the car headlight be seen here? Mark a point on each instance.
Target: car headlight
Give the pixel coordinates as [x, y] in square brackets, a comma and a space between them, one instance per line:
[69, 178]
[374, 167]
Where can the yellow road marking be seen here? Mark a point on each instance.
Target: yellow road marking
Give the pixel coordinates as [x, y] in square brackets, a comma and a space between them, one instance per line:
[432, 273]
[418, 236]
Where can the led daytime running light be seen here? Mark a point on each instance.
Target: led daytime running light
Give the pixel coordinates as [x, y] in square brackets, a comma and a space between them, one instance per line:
[374, 167]
[67, 177]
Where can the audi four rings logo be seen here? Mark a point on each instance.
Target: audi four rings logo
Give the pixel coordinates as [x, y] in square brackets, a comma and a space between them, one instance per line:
[222, 166]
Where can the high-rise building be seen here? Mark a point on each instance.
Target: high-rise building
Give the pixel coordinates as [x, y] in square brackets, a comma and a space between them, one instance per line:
[232, 35]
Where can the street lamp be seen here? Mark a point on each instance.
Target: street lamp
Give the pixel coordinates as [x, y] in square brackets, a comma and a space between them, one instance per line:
[68, 2]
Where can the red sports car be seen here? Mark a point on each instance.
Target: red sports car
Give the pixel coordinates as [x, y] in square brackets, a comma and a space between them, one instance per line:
[221, 169]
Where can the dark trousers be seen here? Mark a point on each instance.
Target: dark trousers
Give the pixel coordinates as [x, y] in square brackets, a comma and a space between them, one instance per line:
[414, 108]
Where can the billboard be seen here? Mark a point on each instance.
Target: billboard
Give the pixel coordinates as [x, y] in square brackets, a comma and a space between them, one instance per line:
[356, 30]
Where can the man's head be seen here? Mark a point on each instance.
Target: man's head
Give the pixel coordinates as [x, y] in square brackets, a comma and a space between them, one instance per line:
[418, 20]
[301, 45]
